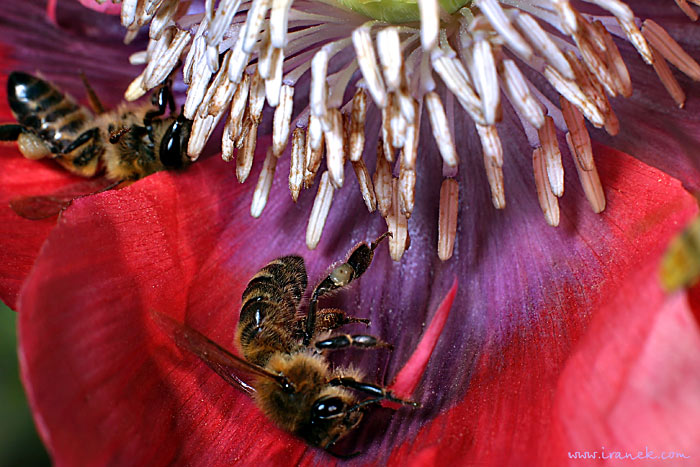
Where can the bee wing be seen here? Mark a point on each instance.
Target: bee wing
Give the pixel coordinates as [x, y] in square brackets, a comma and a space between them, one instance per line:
[223, 362]
[43, 207]
[39, 207]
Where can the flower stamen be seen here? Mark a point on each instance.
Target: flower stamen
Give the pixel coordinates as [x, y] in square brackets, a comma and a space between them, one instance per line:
[447, 219]
[551, 156]
[297, 165]
[282, 119]
[670, 49]
[314, 150]
[548, 200]
[579, 135]
[367, 59]
[441, 129]
[357, 125]
[397, 223]
[335, 147]
[687, 9]
[365, 182]
[590, 181]
[244, 53]
[319, 211]
[248, 143]
[382, 181]
[669, 81]
[234, 124]
[262, 189]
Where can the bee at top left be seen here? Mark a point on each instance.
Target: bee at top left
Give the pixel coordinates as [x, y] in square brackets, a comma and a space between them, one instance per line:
[125, 144]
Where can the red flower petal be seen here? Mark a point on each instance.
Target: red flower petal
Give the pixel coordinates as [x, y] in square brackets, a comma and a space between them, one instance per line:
[606, 364]
[90, 42]
[22, 238]
[148, 352]
[628, 384]
[694, 301]
[106, 385]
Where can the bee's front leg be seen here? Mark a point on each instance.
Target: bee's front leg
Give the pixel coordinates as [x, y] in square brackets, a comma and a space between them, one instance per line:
[357, 263]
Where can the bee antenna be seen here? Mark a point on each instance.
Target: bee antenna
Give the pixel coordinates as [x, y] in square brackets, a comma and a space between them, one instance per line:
[115, 136]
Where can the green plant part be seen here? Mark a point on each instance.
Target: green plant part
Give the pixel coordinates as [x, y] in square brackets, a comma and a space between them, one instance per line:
[397, 11]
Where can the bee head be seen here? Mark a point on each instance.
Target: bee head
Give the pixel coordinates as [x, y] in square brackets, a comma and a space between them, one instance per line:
[173, 146]
[331, 420]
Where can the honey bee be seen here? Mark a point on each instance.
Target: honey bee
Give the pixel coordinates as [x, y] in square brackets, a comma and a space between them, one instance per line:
[283, 350]
[126, 144]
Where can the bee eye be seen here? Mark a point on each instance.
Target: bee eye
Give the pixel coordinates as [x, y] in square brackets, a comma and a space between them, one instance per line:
[327, 407]
[174, 142]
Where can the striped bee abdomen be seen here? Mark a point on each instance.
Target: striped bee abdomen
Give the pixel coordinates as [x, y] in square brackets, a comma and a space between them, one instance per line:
[39, 106]
[270, 302]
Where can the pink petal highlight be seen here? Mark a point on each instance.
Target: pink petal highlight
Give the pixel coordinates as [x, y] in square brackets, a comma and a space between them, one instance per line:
[408, 377]
[107, 7]
[51, 11]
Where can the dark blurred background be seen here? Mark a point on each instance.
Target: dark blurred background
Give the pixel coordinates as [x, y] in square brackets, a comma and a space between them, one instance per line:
[19, 442]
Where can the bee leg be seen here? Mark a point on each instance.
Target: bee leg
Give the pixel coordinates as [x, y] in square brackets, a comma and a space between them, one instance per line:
[10, 132]
[328, 319]
[80, 140]
[92, 96]
[379, 393]
[116, 135]
[359, 260]
[161, 99]
[342, 341]
[29, 144]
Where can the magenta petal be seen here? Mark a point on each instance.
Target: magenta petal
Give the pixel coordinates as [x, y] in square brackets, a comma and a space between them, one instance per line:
[652, 127]
[106, 7]
[409, 376]
[83, 40]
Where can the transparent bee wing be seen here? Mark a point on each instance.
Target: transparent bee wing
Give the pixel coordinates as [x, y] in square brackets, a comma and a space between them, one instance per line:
[45, 206]
[230, 367]
[39, 207]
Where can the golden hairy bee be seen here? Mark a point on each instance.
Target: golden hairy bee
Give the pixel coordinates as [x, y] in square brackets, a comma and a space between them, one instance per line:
[125, 144]
[283, 350]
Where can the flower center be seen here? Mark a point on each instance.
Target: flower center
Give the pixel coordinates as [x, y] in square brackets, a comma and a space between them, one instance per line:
[245, 53]
[397, 11]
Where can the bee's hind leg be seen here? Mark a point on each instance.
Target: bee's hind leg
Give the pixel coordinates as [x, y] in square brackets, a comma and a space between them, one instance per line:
[92, 96]
[30, 145]
[10, 132]
[328, 319]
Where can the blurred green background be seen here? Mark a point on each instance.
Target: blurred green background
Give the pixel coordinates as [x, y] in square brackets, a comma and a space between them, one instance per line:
[19, 442]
